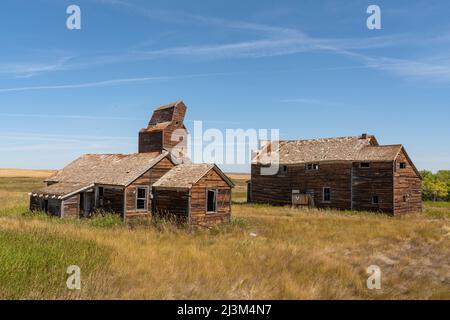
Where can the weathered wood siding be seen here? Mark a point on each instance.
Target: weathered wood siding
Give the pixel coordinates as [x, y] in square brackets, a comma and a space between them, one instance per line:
[53, 205]
[156, 140]
[351, 187]
[171, 203]
[277, 189]
[175, 135]
[113, 200]
[72, 206]
[336, 176]
[370, 182]
[36, 203]
[146, 180]
[407, 187]
[273, 189]
[198, 214]
[150, 141]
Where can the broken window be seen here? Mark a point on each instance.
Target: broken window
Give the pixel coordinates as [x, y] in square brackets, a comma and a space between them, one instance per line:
[141, 198]
[326, 194]
[364, 165]
[101, 192]
[211, 201]
[402, 165]
[312, 167]
[375, 199]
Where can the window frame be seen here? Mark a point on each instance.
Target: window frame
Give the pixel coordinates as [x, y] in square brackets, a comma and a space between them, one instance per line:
[314, 167]
[146, 188]
[402, 165]
[216, 193]
[373, 199]
[323, 195]
[283, 170]
[364, 167]
[101, 196]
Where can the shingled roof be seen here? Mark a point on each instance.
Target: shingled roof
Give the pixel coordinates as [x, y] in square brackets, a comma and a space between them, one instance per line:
[62, 189]
[361, 148]
[186, 175]
[108, 169]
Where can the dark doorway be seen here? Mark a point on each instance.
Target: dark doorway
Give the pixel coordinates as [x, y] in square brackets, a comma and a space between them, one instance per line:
[211, 200]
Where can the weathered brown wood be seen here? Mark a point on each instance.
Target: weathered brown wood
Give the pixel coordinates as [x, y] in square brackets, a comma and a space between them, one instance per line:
[407, 187]
[189, 204]
[146, 180]
[72, 206]
[352, 187]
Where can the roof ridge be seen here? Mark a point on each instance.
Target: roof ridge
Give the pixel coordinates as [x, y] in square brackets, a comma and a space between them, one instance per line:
[168, 105]
[321, 139]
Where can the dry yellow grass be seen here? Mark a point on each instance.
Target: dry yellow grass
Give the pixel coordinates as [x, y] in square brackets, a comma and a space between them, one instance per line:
[15, 173]
[239, 176]
[266, 253]
[294, 255]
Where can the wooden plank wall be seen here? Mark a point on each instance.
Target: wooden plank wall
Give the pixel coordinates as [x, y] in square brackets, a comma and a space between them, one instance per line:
[172, 204]
[277, 189]
[72, 206]
[36, 203]
[147, 179]
[113, 200]
[174, 135]
[406, 183]
[344, 179]
[336, 176]
[374, 181]
[274, 189]
[211, 180]
[150, 141]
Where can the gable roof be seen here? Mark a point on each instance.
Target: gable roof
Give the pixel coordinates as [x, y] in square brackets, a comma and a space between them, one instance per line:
[186, 175]
[317, 150]
[362, 148]
[379, 153]
[108, 169]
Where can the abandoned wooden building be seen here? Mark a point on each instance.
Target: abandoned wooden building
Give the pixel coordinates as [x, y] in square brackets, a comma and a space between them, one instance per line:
[347, 173]
[198, 193]
[124, 183]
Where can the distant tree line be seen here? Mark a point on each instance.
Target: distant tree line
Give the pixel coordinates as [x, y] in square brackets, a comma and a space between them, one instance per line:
[436, 186]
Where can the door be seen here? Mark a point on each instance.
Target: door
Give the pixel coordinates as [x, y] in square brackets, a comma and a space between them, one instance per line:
[87, 203]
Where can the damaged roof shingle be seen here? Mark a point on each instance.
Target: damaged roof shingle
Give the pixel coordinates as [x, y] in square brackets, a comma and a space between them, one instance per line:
[362, 148]
[108, 169]
[186, 175]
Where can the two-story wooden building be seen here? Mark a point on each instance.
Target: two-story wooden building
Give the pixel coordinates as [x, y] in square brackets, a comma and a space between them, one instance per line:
[348, 173]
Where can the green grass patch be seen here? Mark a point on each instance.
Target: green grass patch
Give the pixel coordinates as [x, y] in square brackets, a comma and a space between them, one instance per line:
[33, 264]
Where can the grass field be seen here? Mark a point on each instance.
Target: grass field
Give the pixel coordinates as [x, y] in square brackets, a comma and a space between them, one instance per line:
[265, 253]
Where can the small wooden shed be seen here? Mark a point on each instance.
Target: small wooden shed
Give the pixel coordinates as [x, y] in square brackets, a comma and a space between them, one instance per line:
[199, 194]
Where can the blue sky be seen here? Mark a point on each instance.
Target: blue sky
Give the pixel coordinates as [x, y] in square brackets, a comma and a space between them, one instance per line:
[309, 68]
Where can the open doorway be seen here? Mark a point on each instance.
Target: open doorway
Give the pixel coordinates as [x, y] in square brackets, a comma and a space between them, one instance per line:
[211, 201]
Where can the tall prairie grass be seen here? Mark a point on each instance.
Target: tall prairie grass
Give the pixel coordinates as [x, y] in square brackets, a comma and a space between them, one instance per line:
[264, 253]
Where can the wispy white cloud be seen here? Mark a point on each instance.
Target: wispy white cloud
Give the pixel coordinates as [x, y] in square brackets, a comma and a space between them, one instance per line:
[29, 69]
[435, 71]
[106, 83]
[60, 116]
[77, 144]
[271, 41]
